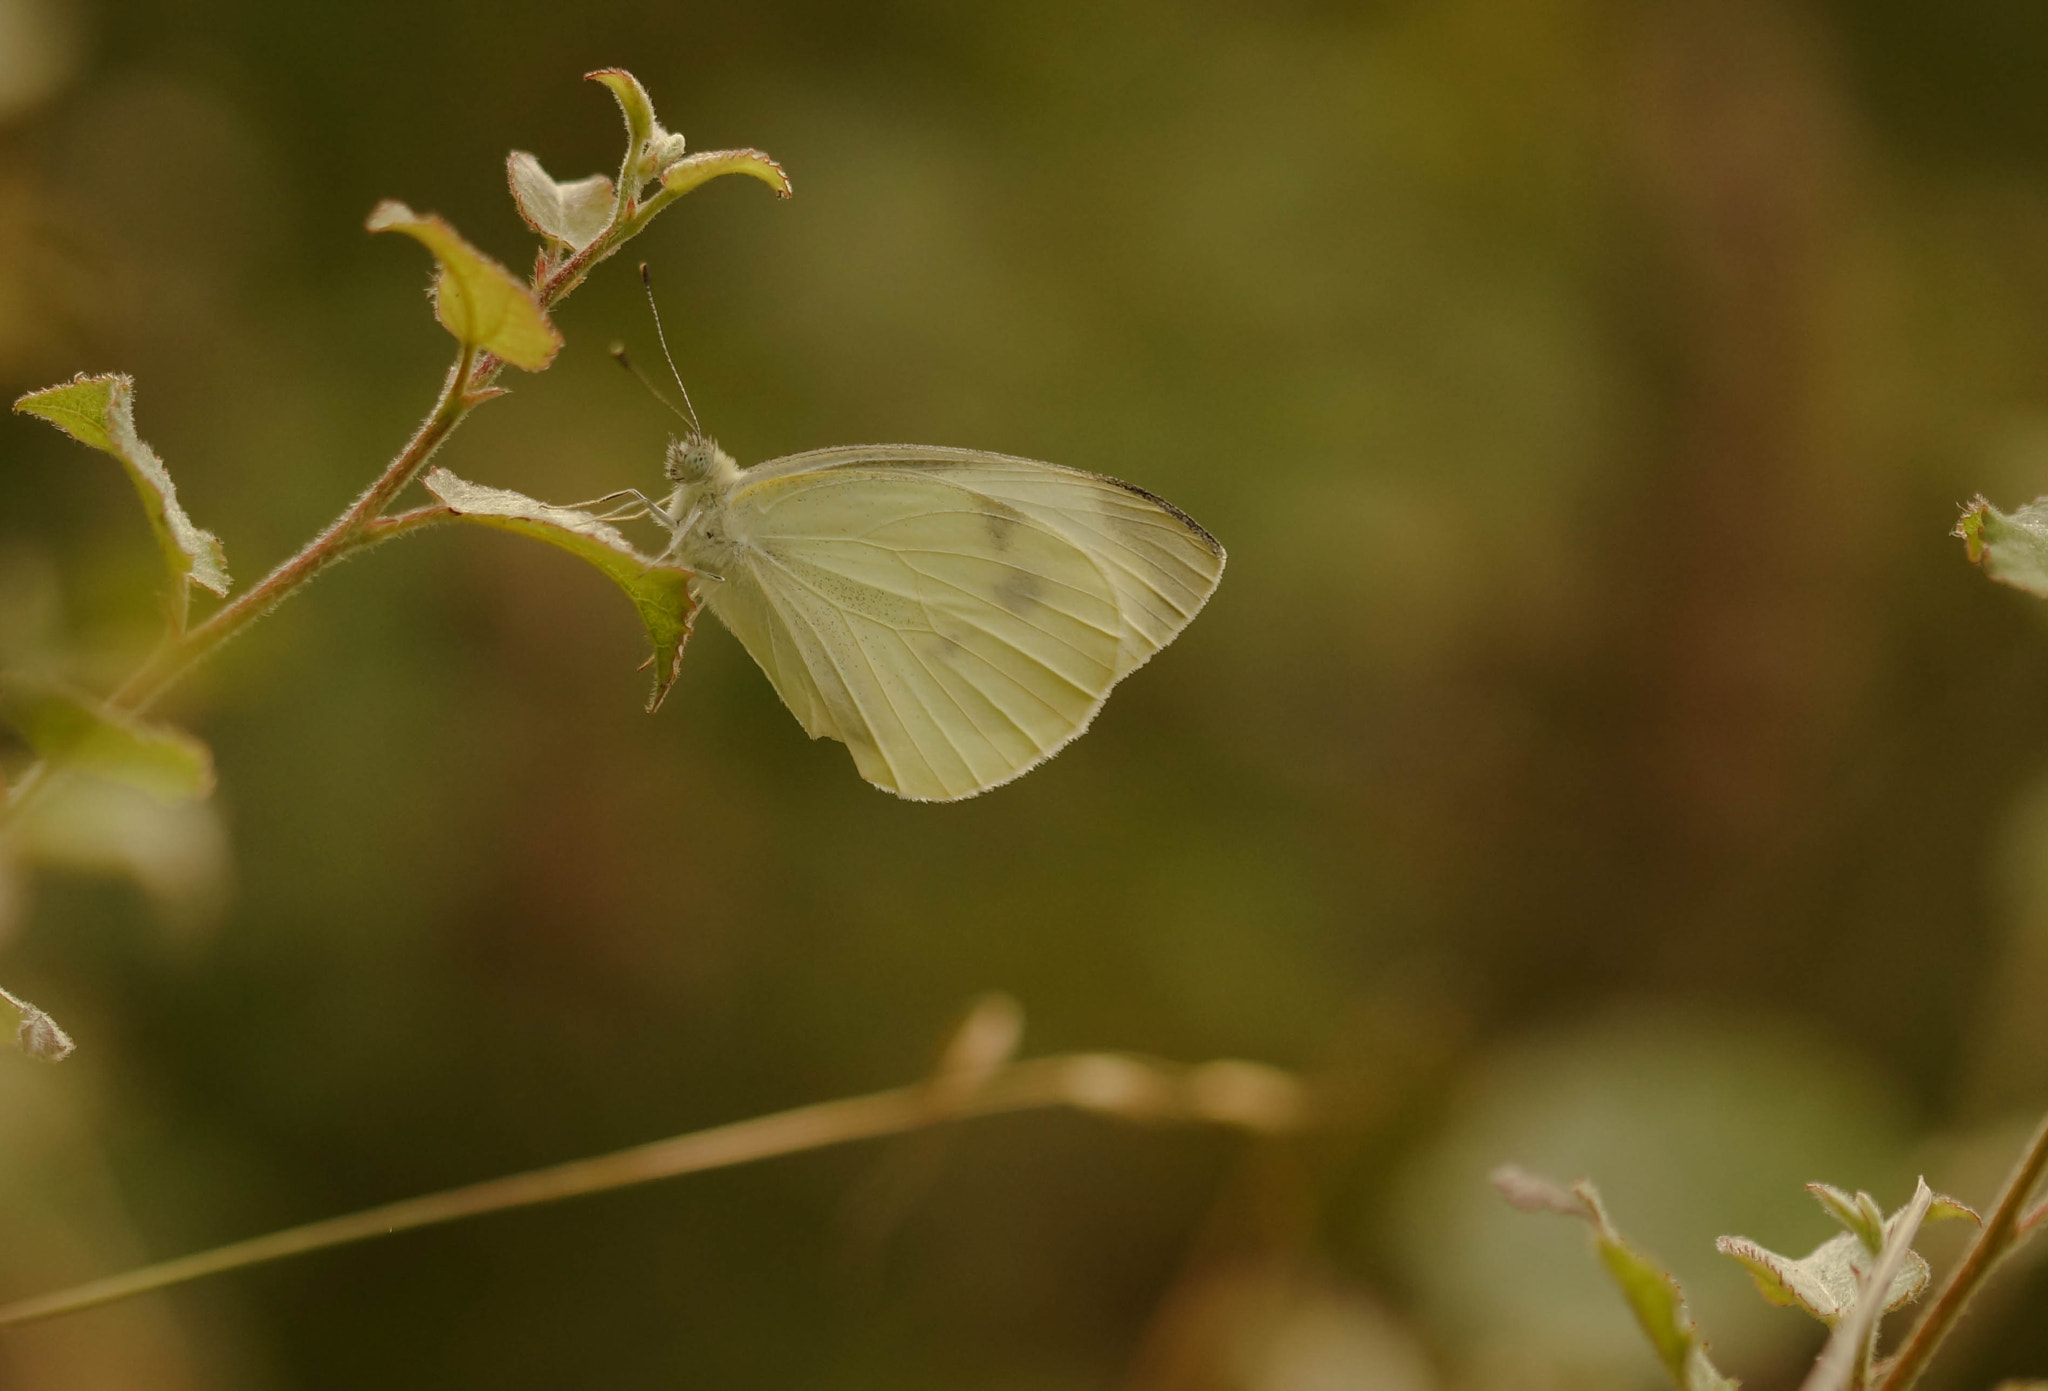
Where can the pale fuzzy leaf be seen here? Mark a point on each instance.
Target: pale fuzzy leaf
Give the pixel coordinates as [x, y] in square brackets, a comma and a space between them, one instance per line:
[1848, 1347]
[659, 592]
[1824, 1281]
[76, 731]
[2012, 547]
[100, 411]
[32, 1031]
[475, 298]
[664, 149]
[573, 214]
[1652, 1295]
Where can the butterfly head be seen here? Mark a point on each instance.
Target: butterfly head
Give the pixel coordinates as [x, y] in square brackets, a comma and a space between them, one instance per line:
[697, 460]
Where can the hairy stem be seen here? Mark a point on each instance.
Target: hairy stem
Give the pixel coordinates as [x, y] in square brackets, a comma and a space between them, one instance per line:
[460, 394]
[1243, 1095]
[2008, 1224]
[468, 384]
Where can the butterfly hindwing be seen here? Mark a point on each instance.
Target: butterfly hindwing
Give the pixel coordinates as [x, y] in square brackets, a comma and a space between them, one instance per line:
[950, 638]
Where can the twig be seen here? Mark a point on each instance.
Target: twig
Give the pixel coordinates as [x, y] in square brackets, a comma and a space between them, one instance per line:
[1248, 1096]
[2001, 1234]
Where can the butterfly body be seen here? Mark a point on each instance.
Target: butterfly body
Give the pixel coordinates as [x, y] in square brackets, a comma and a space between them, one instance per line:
[954, 617]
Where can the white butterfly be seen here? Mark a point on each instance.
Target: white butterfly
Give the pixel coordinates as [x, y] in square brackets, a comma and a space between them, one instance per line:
[953, 617]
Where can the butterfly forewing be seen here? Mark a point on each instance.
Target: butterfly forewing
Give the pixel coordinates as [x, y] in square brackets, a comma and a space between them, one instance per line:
[1161, 563]
[950, 638]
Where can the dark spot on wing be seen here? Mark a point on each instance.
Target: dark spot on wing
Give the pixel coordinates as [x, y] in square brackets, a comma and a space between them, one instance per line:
[1002, 525]
[1018, 591]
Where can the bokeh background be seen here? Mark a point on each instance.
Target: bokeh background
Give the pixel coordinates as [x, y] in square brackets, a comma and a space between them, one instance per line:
[1598, 754]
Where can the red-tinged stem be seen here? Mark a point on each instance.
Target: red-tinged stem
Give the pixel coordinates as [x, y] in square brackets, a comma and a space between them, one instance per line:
[460, 394]
[2009, 1223]
[470, 382]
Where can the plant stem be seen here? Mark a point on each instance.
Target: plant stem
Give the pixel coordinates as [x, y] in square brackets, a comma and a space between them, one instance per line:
[1244, 1095]
[2001, 1235]
[459, 395]
[468, 384]
[471, 381]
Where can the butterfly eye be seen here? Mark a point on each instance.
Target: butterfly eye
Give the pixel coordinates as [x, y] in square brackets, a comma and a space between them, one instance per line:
[693, 460]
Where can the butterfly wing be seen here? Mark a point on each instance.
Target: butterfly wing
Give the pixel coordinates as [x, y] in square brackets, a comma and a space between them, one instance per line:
[953, 623]
[1161, 563]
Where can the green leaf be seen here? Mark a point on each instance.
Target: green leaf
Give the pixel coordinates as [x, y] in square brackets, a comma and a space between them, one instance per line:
[635, 105]
[76, 731]
[1859, 1214]
[475, 298]
[1652, 1295]
[2012, 547]
[649, 148]
[686, 174]
[35, 1033]
[100, 411]
[660, 592]
[1947, 1209]
[657, 155]
[572, 214]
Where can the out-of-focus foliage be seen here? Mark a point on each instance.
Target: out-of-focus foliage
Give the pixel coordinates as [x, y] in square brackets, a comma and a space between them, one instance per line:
[1650, 1292]
[1597, 756]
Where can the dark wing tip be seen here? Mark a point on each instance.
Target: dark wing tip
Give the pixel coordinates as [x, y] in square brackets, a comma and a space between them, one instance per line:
[1202, 532]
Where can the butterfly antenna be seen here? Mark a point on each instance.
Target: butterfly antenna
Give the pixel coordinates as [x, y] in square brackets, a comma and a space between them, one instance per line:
[647, 282]
[618, 351]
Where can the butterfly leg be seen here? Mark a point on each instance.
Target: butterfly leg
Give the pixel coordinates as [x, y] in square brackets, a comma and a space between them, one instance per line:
[676, 531]
[588, 503]
[636, 505]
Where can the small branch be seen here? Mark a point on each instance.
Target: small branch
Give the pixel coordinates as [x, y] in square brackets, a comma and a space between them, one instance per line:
[2003, 1229]
[459, 395]
[381, 529]
[468, 383]
[1247, 1096]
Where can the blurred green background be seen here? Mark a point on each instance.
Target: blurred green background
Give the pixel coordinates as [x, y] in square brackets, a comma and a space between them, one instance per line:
[1598, 755]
